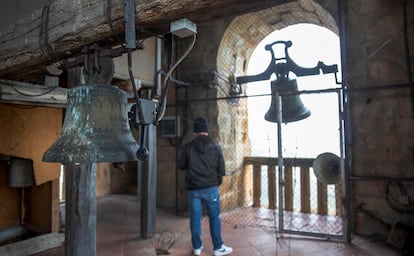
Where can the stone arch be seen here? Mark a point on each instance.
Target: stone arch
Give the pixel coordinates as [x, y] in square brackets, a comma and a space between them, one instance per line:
[237, 44]
[245, 32]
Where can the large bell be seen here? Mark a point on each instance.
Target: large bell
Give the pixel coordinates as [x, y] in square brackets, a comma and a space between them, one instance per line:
[292, 106]
[95, 128]
[326, 168]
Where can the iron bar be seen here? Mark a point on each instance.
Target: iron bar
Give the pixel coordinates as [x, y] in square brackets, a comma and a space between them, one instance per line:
[379, 178]
[280, 158]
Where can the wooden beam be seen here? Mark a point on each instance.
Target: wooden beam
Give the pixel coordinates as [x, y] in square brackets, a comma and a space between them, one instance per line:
[257, 185]
[33, 245]
[63, 27]
[32, 94]
[274, 161]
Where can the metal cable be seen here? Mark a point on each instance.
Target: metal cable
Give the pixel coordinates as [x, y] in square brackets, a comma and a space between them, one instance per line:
[163, 105]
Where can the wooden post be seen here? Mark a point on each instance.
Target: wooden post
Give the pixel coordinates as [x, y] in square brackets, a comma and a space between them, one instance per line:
[304, 189]
[338, 199]
[271, 186]
[288, 188]
[257, 185]
[80, 236]
[55, 206]
[322, 199]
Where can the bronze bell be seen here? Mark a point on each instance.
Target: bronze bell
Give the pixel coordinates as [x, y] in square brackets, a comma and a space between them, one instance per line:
[292, 106]
[20, 173]
[95, 128]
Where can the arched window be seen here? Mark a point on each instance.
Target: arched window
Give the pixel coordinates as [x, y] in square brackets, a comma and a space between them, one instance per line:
[320, 131]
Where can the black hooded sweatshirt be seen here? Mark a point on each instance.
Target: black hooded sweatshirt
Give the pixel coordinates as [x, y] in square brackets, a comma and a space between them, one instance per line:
[203, 159]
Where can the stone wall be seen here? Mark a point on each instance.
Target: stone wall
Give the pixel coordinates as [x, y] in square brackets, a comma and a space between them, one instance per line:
[382, 142]
[195, 69]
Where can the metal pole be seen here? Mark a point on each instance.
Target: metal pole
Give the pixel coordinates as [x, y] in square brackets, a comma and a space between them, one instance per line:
[346, 101]
[80, 214]
[280, 157]
[130, 37]
[342, 164]
[149, 186]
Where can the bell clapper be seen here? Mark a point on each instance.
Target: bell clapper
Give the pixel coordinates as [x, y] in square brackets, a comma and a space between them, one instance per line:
[142, 152]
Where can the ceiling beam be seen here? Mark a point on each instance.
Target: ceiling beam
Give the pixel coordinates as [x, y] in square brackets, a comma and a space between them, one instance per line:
[60, 29]
[14, 92]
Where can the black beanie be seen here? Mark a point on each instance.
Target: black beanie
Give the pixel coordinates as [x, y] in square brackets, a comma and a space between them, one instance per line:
[200, 125]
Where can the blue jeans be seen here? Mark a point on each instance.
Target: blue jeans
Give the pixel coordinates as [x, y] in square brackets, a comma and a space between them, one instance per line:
[211, 198]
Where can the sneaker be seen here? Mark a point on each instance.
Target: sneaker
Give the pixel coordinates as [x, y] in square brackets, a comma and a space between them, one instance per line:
[224, 250]
[197, 251]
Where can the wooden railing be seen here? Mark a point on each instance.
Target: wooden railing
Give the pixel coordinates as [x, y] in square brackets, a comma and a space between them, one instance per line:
[304, 165]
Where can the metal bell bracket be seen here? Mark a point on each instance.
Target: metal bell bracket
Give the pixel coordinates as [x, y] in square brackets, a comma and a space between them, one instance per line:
[282, 69]
[145, 110]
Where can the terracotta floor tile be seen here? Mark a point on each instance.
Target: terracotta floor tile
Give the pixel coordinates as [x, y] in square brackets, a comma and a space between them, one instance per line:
[118, 235]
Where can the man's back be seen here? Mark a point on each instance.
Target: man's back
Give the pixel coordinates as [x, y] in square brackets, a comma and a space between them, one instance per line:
[204, 161]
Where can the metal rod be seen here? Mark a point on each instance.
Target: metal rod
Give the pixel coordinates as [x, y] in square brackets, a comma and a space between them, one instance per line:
[158, 50]
[346, 188]
[320, 235]
[130, 37]
[342, 147]
[380, 178]
[280, 158]
[134, 87]
[371, 88]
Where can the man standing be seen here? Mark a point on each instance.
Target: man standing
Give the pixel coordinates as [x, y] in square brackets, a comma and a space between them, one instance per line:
[204, 163]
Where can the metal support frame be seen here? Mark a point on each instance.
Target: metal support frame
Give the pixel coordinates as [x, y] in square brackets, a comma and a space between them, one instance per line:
[280, 158]
[281, 163]
[149, 186]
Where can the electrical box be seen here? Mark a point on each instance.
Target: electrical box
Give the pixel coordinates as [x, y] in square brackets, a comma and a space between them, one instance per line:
[170, 126]
[148, 112]
[183, 28]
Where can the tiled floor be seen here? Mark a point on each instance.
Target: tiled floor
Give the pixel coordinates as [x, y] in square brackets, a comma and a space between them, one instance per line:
[118, 235]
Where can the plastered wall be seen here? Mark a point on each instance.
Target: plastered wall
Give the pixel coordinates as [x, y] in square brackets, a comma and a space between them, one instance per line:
[27, 132]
